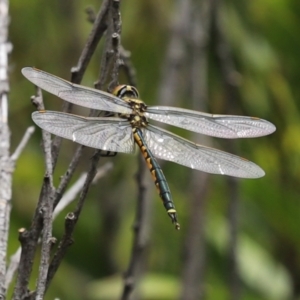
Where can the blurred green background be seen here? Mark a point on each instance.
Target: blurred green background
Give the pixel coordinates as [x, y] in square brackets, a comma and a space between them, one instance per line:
[264, 40]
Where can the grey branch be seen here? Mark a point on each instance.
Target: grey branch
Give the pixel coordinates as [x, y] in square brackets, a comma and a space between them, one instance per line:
[68, 198]
[6, 164]
[30, 130]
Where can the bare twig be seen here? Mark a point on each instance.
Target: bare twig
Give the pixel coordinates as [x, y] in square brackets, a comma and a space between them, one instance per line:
[24, 141]
[12, 268]
[68, 175]
[126, 64]
[115, 41]
[28, 239]
[90, 176]
[6, 164]
[140, 235]
[99, 27]
[72, 219]
[66, 242]
[68, 197]
[105, 63]
[91, 15]
[110, 59]
[37, 100]
[46, 210]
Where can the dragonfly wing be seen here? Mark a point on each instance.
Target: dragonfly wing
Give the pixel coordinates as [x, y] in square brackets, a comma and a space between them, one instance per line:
[168, 146]
[75, 93]
[224, 126]
[110, 134]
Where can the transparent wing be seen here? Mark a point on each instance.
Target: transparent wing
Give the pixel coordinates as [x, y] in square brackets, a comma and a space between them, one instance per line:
[168, 146]
[75, 93]
[110, 134]
[224, 126]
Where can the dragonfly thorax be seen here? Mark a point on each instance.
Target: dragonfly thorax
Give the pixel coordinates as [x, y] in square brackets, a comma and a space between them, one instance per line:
[138, 121]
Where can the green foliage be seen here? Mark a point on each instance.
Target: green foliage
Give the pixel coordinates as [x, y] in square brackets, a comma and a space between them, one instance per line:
[153, 286]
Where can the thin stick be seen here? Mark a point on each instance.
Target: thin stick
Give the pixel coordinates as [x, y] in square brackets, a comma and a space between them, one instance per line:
[27, 135]
[47, 240]
[115, 43]
[139, 238]
[70, 195]
[126, 64]
[12, 268]
[99, 27]
[65, 179]
[46, 211]
[42, 217]
[68, 198]
[72, 219]
[77, 72]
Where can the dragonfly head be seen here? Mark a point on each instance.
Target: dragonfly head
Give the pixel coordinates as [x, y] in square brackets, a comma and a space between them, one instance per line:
[124, 90]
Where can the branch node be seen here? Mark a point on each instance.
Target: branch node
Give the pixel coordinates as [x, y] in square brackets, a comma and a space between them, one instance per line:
[91, 15]
[23, 234]
[70, 216]
[52, 240]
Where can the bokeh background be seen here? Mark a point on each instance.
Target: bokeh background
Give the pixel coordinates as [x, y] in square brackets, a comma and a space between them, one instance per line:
[248, 245]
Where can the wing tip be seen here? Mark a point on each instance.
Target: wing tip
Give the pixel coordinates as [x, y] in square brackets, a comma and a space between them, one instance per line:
[29, 72]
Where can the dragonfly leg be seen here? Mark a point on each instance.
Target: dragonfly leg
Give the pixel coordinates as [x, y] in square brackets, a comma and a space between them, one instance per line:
[108, 153]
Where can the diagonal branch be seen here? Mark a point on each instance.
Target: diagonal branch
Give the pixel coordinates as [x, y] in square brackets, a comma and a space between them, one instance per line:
[68, 197]
[99, 27]
[72, 218]
[28, 133]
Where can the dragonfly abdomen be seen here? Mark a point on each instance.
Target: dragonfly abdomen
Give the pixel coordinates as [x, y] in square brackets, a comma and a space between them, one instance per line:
[158, 177]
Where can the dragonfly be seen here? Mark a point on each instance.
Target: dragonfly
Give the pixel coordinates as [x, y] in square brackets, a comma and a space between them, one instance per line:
[129, 125]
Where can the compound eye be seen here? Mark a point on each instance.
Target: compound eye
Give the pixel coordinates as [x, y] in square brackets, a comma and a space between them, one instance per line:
[134, 92]
[118, 90]
[125, 91]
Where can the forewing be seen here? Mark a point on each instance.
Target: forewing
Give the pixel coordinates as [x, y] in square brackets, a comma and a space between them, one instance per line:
[224, 126]
[168, 146]
[110, 134]
[75, 93]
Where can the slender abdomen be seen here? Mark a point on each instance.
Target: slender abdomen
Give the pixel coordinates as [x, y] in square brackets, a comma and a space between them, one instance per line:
[158, 176]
